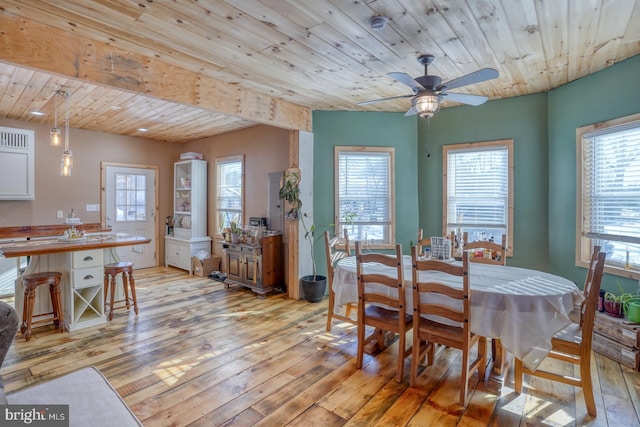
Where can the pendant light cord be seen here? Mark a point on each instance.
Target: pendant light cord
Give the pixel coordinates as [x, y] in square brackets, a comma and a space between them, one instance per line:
[66, 122]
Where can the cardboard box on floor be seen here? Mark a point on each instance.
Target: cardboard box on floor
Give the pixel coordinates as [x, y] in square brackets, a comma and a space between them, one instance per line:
[203, 267]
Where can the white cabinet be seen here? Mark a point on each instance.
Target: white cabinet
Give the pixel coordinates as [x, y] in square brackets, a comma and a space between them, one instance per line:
[189, 214]
[84, 304]
[178, 252]
[17, 174]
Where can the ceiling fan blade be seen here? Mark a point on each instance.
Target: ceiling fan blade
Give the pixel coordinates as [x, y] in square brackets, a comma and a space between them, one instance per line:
[411, 112]
[465, 98]
[469, 79]
[408, 80]
[373, 101]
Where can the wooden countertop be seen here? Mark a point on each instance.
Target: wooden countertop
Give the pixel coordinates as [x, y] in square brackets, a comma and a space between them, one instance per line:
[59, 244]
[31, 231]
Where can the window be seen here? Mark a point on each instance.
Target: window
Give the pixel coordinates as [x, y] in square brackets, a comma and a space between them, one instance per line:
[609, 193]
[364, 194]
[478, 189]
[229, 191]
[131, 197]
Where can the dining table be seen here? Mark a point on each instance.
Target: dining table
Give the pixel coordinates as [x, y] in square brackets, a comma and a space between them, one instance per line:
[523, 308]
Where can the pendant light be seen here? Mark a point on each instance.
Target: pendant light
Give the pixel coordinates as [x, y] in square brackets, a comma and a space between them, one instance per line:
[66, 164]
[56, 137]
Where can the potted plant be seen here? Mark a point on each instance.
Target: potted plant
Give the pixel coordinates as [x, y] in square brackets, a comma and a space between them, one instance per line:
[314, 285]
[290, 192]
[614, 304]
[234, 231]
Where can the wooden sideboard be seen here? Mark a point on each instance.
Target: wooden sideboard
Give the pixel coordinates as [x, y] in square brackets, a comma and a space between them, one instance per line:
[258, 267]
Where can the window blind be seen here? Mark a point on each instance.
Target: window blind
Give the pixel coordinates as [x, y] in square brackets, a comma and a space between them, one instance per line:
[478, 188]
[611, 185]
[229, 192]
[364, 194]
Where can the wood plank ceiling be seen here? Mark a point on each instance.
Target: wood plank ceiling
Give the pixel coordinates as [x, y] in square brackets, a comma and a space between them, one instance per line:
[206, 67]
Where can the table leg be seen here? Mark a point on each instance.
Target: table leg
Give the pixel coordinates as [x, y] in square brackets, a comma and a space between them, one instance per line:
[378, 341]
[501, 361]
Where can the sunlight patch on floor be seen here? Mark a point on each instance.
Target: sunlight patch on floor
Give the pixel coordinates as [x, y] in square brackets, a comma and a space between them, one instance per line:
[257, 344]
[170, 371]
[536, 408]
[515, 406]
[345, 325]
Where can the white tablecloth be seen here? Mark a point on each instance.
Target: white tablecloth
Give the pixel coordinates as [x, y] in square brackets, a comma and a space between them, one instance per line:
[522, 307]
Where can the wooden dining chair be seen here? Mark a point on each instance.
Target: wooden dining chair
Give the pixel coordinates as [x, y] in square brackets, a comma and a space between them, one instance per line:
[347, 245]
[576, 313]
[422, 241]
[429, 300]
[333, 256]
[587, 284]
[376, 289]
[573, 343]
[500, 249]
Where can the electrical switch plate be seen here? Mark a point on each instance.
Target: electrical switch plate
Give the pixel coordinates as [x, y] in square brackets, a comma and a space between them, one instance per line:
[93, 208]
[59, 214]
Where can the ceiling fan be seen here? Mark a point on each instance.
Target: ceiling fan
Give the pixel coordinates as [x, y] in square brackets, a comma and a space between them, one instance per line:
[429, 91]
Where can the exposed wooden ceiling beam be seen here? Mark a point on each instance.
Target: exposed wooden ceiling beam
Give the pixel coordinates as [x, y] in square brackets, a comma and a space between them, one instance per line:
[27, 43]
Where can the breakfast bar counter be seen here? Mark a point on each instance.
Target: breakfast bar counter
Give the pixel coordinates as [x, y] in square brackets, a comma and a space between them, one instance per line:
[81, 261]
[59, 244]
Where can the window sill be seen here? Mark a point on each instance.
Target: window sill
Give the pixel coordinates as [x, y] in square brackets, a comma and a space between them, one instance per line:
[369, 247]
[633, 273]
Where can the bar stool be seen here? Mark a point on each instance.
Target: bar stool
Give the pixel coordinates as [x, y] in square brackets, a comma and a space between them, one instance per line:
[111, 272]
[31, 282]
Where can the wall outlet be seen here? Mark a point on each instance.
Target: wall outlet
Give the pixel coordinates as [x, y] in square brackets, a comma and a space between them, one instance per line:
[59, 214]
[93, 208]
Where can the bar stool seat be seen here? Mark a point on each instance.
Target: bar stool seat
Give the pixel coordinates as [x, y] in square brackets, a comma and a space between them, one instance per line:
[111, 272]
[31, 282]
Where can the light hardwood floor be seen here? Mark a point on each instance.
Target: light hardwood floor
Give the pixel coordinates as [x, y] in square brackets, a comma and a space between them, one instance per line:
[199, 354]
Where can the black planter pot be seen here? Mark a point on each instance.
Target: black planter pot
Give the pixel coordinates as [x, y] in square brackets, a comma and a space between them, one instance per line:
[313, 287]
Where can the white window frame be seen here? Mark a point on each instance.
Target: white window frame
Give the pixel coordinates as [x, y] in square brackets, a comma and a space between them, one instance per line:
[340, 223]
[240, 212]
[449, 225]
[584, 239]
[128, 204]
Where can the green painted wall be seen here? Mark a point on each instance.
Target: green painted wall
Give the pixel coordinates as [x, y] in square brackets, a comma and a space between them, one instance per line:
[523, 119]
[607, 94]
[543, 128]
[332, 128]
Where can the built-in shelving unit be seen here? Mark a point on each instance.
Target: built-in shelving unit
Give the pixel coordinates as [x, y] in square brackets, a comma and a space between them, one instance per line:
[189, 214]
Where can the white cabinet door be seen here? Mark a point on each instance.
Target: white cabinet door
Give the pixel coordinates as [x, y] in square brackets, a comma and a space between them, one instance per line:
[17, 175]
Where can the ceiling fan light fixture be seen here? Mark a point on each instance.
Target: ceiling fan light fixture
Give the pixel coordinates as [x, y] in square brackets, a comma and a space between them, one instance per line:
[427, 105]
[378, 22]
